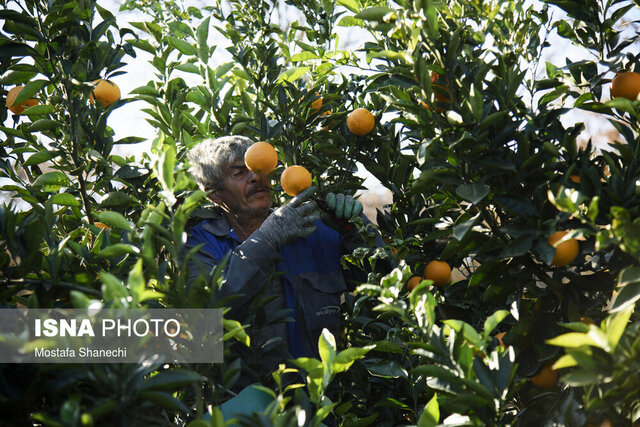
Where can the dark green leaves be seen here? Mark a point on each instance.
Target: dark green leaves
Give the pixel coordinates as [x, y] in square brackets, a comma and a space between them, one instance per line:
[473, 193]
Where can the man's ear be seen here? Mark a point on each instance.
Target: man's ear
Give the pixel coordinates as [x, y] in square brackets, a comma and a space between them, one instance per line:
[213, 195]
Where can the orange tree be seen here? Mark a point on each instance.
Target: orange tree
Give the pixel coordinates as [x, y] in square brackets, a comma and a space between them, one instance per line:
[87, 231]
[468, 138]
[495, 163]
[480, 168]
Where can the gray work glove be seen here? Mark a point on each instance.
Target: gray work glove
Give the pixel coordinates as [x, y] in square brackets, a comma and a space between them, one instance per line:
[341, 209]
[291, 221]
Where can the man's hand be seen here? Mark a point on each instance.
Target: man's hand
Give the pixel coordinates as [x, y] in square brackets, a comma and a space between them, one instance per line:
[342, 208]
[291, 221]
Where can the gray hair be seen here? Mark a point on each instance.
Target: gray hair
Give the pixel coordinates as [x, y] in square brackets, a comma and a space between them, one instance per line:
[211, 157]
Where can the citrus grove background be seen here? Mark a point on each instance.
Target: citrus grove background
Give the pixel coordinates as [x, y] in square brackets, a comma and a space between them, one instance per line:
[469, 139]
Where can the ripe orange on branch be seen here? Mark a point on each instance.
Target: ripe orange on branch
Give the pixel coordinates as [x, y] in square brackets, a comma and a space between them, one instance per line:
[106, 92]
[19, 108]
[413, 282]
[360, 121]
[295, 179]
[316, 104]
[626, 85]
[566, 251]
[261, 158]
[439, 272]
[441, 92]
[546, 377]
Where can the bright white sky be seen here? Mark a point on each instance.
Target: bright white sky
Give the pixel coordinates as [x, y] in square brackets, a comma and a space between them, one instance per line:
[129, 120]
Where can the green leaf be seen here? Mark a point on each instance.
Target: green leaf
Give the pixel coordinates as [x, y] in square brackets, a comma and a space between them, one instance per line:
[117, 199]
[17, 76]
[580, 378]
[182, 46]
[352, 5]
[493, 321]
[516, 247]
[130, 140]
[390, 55]
[117, 250]
[38, 110]
[30, 90]
[292, 74]
[44, 124]
[616, 324]
[189, 68]
[142, 45]
[51, 180]
[566, 361]
[387, 369]
[629, 280]
[460, 230]
[377, 13]
[345, 358]
[114, 219]
[64, 199]
[350, 21]
[79, 299]
[309, 364]
[171, 379]
[574, 339]
[430, 416]
[167, 164]
[113, 290]
[165, 400]
[203, 34]
[467, 331]
[327, 347]
[304, 56]
[235, 330]
[40, 157]
[473, 192]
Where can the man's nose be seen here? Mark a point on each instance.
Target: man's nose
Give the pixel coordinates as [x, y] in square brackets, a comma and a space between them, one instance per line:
[254, 177]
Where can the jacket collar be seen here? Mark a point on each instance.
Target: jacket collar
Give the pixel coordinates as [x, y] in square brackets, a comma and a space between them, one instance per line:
[218, 225]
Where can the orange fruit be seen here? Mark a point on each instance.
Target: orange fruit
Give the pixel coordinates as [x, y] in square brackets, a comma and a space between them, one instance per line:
[443, 96]
[441, 93]
[439, 272]
[546, 377]
[261, 158]
[575, 178]
[295, 179]
[360, 121]
[413, 282]
[326, 114]
[101, 225]
[316, 104]
[106, 92]
[626, 85]
[11, 97]
[566, 251]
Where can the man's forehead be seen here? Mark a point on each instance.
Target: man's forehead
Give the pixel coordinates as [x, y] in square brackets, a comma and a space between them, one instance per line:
[238, 164]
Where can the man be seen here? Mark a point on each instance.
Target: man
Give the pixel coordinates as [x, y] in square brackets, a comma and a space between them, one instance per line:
[291, 239]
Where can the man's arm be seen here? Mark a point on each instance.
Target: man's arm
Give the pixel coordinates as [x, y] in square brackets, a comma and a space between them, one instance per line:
[252, 262]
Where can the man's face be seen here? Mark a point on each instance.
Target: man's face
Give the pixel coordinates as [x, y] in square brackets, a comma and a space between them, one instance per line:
[243, 192]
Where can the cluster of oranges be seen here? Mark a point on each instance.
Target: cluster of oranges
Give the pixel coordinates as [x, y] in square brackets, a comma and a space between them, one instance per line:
[262, 157]
[359, 122]
[437, 271]
[106, 93]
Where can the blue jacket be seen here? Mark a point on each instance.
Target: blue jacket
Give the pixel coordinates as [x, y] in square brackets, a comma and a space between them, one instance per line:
[311, 286]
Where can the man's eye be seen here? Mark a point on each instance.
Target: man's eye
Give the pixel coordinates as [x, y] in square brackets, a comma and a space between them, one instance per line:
[240, 172]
